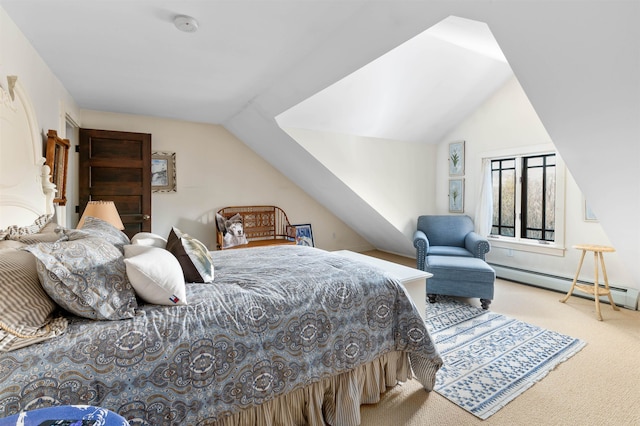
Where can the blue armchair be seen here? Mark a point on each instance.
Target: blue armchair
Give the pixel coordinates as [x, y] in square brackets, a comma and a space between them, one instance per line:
[448, 247]
[448, 236]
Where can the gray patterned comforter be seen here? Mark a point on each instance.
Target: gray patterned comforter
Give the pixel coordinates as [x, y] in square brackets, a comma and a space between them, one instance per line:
[274, 320]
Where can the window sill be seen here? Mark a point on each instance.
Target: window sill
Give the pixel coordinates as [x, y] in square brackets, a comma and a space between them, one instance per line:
[531, 247]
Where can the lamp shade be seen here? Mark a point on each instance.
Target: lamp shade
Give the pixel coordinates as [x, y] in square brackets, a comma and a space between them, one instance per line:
[105, 210]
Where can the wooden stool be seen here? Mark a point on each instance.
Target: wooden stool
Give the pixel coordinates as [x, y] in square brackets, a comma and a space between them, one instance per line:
[595, 290]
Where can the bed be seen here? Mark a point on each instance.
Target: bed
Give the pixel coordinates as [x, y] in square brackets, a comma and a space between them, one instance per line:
[269, 335]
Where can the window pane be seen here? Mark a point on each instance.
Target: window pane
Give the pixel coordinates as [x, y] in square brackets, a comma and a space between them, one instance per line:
[508, 198]
[534, 161]
[534, 234]
[509, 164]
[503, 181]
[550, 205]
[495, 184]
[534, 198]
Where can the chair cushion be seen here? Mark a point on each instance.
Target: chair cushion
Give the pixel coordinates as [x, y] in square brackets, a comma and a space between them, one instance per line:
[460, 269]
[448, 251]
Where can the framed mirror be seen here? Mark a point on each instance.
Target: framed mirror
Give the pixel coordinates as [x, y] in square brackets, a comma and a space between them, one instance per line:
[57, 158]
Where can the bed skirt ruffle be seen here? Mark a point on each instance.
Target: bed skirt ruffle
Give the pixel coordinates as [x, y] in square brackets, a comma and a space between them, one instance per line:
[332, 401]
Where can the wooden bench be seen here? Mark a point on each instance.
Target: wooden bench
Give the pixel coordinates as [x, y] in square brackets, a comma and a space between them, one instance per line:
[263, 226]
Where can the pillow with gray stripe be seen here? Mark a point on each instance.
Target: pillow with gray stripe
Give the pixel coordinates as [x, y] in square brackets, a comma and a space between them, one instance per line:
[26, 311]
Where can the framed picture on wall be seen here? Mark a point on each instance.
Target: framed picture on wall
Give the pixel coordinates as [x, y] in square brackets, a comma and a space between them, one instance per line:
[456, 195]
[163, 172]
[304, 235]
[589, 215]
[456, 158]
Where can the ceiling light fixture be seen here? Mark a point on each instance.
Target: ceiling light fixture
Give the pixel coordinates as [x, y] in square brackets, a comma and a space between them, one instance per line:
[186, 23]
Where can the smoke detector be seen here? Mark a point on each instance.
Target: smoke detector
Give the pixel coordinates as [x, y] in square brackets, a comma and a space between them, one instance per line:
[186, 24]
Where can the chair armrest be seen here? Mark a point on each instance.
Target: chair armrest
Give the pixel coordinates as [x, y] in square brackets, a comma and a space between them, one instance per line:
[421, 243]
[477, 245]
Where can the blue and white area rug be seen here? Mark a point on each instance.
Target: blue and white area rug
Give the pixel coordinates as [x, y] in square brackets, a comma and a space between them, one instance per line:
[490, 359]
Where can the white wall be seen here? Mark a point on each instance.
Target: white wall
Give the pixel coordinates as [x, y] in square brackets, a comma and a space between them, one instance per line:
[208, 157]
[214, 170]
[50, 99]
[507, 121]
[579, 64]
[394, 177]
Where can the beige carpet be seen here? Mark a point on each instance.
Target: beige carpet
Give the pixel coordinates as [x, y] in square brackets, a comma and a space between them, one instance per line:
[600, 385]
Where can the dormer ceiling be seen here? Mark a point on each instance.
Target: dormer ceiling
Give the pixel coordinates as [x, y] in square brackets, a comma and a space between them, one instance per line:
[414, 93]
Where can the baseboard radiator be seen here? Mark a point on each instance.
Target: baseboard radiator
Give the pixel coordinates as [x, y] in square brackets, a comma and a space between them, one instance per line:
[627, 297]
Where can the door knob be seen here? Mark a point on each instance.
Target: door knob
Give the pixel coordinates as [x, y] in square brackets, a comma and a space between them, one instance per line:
[146, 217]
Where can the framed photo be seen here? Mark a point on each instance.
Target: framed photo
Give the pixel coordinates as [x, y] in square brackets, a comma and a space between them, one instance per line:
[456, 158]
[456, 195]
[589, 215]
[163, 171]
[304, 235]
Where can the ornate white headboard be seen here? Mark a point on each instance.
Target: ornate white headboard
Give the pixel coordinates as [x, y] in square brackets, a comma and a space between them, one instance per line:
[25, 188]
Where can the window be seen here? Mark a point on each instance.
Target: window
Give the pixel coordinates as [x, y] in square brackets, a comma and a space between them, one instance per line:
[539, 197]
[503, 176]
[524, 197]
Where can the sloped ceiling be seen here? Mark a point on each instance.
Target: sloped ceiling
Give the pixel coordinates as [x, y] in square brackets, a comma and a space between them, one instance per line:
[128, 56]
[250, 61]
[416, 92]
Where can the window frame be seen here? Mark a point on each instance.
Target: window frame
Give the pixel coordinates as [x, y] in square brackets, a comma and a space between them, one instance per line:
[555, 248]
[525, 227]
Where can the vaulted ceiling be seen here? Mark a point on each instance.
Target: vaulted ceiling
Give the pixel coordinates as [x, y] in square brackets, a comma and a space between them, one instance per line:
[416, 92]
[129, 57]
[252, 60]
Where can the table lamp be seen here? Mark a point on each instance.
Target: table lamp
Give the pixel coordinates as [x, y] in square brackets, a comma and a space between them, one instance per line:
[105, 210]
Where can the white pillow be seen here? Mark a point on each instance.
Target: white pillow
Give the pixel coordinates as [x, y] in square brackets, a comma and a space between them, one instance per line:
[155, 274]
[149, 239]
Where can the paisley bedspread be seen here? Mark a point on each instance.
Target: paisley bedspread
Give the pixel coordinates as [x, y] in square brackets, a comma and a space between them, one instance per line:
[274, 320]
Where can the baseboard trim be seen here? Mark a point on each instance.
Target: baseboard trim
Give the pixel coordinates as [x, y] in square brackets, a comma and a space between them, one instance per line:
[627, 297]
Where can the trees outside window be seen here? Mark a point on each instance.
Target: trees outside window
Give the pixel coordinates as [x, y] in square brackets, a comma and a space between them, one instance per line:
[524, 197]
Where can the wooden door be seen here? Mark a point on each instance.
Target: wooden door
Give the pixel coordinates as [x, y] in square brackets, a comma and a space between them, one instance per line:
[116, 166]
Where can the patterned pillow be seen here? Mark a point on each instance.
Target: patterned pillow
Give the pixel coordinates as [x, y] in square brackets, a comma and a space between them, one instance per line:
[99, 228]
[155, 274]
[25, 309]
[194, 258]
[14, 231]
[87, 277]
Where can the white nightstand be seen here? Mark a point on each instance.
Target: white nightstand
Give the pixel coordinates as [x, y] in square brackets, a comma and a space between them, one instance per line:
[414, 280]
